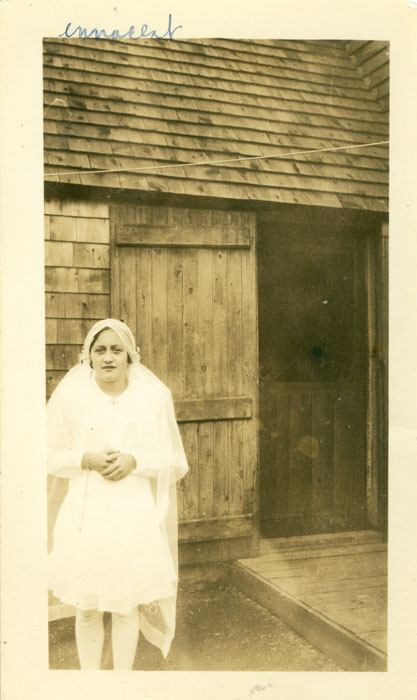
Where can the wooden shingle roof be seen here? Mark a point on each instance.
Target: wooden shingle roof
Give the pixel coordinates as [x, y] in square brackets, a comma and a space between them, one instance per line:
[215, 109]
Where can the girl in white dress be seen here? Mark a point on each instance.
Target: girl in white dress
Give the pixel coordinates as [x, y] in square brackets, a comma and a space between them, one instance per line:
[113, 439]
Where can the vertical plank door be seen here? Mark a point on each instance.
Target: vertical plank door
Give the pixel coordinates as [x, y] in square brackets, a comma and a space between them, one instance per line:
[184, 280]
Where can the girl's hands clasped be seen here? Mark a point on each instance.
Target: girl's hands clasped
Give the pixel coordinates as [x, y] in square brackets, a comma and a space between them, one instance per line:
[113, 465]
[120, 467]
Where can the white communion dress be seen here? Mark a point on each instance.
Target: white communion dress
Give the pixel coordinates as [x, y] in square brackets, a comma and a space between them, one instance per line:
[114, 542]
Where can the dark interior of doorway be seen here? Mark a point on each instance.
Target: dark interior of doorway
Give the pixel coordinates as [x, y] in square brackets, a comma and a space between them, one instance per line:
[313, 377]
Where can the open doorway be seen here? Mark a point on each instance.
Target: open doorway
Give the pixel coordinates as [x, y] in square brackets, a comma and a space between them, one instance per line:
[313, 377]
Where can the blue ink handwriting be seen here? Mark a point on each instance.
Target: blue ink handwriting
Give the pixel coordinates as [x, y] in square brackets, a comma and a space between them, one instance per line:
[143, 33]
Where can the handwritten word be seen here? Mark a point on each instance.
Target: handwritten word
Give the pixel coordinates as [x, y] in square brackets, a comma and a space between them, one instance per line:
[143, 33]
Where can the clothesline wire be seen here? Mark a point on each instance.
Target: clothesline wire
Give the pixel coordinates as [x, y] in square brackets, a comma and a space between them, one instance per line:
[217, 162]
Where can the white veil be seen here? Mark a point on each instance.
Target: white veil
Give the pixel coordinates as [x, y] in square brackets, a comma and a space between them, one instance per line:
[163, 460]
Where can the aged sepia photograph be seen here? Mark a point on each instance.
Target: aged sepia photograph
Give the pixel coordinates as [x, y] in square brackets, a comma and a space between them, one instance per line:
[216, 310]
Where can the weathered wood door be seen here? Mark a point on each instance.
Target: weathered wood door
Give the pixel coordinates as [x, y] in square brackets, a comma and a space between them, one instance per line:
[313, 355]
[184, 281]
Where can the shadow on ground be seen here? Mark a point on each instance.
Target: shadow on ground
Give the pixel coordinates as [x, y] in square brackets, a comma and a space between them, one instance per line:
[218, 629]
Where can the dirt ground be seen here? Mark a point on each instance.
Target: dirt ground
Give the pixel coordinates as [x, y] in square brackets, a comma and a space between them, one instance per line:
[218, 629]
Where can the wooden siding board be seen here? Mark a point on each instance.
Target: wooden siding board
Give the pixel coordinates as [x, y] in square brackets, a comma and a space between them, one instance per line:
[128, 291]
[144, 303]
[62, 357]
[190, 320]
[175, 321]
[95, 281]
[92, 230]
[204, 347]
[54, 305]
[72, 331]
[115, 270]
[47, 227]
[234, 321]
[206, 470]
[92, 255]
[236, 472]
[63, 228]
[59, 254]
[87, 305]
[159, 313]
[183, 236]
[76, 208]
[221, 472]
[190, 432]
[219, 408]
[213, 528]
[49, 273]
[51, 330]
[65, 280]
[220, 361]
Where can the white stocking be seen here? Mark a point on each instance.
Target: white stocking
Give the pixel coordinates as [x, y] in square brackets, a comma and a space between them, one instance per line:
[125, 634]
[89, 635]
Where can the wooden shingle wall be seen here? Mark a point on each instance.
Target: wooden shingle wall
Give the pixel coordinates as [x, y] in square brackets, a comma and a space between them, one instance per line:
[77, 282]
[372, 59]
[209, 117]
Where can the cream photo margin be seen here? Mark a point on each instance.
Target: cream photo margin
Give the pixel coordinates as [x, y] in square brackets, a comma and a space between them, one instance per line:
[23, 25]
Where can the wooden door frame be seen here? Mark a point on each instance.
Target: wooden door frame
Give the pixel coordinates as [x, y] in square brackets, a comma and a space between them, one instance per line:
[377, 384]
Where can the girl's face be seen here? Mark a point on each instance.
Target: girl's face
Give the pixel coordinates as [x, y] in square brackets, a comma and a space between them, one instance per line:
[109, 357]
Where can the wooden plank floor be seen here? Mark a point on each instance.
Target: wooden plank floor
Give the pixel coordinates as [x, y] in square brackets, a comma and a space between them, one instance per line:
[341, 579]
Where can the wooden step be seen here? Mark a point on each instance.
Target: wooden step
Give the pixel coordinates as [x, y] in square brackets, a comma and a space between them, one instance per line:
[291, 557]
[337, 539]
[337, 641]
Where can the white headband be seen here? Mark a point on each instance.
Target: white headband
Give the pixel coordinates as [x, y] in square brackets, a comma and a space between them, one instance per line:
[122, 330]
